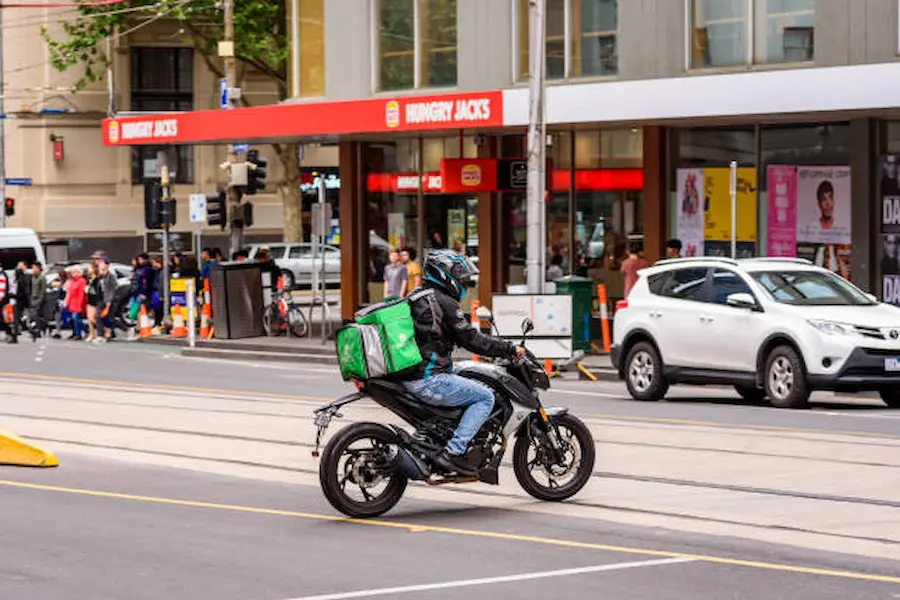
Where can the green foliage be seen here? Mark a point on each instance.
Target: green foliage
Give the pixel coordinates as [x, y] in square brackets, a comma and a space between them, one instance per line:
[259, 26]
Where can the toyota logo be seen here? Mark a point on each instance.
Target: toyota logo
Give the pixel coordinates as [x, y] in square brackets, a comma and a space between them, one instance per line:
[894, 334]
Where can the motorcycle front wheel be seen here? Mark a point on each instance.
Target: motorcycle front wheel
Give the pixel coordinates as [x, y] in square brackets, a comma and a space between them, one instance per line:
[354, 475]
[540, 474]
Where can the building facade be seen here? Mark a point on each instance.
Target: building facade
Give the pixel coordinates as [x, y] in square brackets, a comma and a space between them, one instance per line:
[647, 106]
[91, 196]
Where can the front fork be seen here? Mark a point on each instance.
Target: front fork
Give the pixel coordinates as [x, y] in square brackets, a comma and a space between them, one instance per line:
[551, 433]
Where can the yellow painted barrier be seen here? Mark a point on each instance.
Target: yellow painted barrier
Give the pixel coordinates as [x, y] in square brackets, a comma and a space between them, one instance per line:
[16, 451]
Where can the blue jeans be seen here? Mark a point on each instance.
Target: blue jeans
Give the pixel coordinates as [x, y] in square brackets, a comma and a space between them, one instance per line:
[451, 391]
[78, 326]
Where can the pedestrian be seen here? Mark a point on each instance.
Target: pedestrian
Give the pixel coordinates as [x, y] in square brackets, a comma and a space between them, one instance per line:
[555, 270]
[5, 289]
[631, 265]
[76, 301]
[396, 277]
[109, 286]
[673, 248]
[61, 313]
[94, 298]
[207, 261]
[22, 297]
[39, 300]
[413, 269]
[156, 287]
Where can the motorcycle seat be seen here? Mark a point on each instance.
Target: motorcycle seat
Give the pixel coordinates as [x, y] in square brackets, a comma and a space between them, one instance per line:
[398, 390]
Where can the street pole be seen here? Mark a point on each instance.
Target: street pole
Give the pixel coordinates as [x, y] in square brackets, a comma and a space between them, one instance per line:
[164, 197]
[192, 312]
[733, 190]
[2, 130]
[534, 272]
[226, 51]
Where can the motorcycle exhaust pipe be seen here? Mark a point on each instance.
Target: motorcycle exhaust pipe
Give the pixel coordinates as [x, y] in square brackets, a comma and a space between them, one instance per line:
[411, 466]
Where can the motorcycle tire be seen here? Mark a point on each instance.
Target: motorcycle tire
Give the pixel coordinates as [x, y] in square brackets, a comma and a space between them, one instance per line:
[330, 478]
[585, 441]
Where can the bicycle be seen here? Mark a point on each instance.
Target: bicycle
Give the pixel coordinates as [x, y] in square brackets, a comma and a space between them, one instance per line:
[285, 315]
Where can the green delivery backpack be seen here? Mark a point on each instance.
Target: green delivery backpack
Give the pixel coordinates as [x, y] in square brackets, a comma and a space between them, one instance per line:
[382, 340]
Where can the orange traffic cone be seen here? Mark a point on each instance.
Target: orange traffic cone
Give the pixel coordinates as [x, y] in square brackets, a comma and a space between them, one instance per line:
[178, 328]
[206, 312]
[145, 324]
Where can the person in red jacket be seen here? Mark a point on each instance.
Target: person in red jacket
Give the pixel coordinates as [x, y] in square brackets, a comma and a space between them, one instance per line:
[76, 302]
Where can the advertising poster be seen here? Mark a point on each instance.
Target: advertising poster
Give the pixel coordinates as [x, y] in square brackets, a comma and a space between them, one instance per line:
[690, 211]
[396, 230]
[824, 217]
[890, 230]
[456, 229]
[782, 219]
[717, 212]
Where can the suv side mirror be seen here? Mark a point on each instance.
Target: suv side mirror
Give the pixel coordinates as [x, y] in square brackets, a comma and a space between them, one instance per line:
[741, 300]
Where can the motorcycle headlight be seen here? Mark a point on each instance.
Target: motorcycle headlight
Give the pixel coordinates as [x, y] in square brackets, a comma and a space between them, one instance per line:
[832, 328]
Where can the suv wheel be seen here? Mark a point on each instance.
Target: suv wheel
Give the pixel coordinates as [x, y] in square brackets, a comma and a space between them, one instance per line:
[785, 378]
[891, 397]
[643, 373]
[750, 393]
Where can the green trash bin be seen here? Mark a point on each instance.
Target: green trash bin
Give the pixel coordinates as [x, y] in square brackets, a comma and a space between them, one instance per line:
[582, 291]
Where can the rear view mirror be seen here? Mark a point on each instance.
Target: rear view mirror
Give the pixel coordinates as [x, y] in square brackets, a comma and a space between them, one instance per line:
[527, 326]
[741, 300]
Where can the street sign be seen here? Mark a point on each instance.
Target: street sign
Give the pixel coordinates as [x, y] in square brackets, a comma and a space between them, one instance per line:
[26, 181]
[240, 147]
[223, 93]
[198, 208]
[321, 218]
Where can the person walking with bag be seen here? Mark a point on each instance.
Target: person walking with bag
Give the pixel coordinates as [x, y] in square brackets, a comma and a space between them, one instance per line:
[76, 302]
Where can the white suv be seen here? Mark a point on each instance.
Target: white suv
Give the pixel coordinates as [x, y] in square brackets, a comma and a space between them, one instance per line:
[773, 328]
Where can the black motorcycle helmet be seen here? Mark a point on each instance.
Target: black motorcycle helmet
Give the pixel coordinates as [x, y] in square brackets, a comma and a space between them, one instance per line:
[451, 272]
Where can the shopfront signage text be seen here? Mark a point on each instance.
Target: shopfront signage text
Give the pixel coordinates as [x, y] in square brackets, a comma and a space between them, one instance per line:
[142, 130]
[403, 183]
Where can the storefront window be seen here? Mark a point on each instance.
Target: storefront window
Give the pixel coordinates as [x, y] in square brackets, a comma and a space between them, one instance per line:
[586, 48]
[559, 234]
[312, 47]
[416, 32]
[781, 31]
[391, 205]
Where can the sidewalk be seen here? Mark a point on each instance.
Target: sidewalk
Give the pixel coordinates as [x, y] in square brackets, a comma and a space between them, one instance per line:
[312, 350]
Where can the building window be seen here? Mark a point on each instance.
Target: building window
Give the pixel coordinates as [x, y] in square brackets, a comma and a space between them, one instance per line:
[312, 48]
[416, 44]
[580, 38]
[729, 33]
[162, 80]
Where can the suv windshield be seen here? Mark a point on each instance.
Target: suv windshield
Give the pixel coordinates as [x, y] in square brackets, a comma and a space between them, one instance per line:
[811, 288]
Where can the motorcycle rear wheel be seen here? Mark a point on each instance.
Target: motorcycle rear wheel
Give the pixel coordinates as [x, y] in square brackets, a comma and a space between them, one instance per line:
[578, 446]
[361, 471]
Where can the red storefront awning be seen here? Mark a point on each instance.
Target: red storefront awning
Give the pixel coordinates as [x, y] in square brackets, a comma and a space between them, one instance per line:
[309, 120]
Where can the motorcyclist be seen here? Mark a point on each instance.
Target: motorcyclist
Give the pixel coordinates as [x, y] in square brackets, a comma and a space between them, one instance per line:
[449, 275]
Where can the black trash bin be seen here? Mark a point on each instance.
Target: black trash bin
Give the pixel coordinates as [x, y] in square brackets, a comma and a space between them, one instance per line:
[237, 299]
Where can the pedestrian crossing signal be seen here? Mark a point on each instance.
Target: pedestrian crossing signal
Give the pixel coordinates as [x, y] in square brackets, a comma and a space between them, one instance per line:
[10, 207]
[216, 210]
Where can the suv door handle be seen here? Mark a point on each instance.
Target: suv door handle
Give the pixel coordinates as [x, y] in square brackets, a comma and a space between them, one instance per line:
[655, 313]
[707, 319]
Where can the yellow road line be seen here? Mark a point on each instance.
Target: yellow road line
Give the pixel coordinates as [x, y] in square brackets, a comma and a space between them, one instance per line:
[726, 425]
[416, 527]
[160, 386]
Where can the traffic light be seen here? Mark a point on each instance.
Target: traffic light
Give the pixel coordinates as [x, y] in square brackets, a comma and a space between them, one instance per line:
[152, 197]
[10, 207]
[167, 212]
[248, 214]
[256, 177]
[216, 210]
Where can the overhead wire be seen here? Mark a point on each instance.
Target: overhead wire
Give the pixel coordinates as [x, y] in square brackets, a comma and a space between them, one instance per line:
[32, 20]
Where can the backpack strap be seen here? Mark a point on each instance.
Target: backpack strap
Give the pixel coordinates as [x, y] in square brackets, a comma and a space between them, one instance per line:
[435, 306]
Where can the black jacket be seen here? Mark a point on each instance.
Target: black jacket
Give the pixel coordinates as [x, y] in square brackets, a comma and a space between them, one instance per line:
[23, 288]
[454, 330]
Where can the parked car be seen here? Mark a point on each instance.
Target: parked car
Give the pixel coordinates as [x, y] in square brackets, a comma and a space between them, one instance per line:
[296, 262]
[776, 329]
[18, 244]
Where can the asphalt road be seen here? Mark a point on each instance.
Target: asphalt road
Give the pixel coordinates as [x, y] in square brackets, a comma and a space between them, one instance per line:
[192, 478]
[105, 529]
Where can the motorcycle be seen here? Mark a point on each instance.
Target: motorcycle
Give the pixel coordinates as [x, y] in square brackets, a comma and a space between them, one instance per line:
[552, 458]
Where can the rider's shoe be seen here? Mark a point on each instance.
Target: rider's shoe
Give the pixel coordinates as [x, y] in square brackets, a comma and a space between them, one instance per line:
[452, 463]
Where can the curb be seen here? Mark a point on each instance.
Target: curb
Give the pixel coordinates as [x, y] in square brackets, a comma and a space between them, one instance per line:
[17, 452]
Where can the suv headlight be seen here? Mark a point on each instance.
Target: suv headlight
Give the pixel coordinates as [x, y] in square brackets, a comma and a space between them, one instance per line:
[832, 328]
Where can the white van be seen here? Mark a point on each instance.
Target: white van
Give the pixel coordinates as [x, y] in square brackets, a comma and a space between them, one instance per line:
[20, 244]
